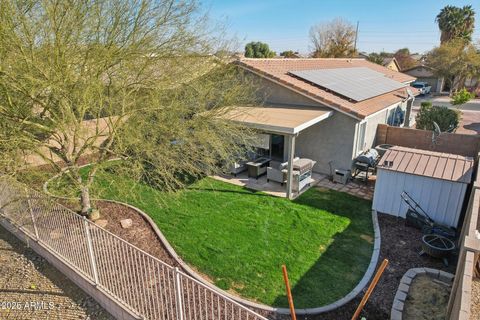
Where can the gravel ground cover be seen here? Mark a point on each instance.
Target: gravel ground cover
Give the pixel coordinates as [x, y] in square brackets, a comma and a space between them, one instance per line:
[475, 315]
[31, 288]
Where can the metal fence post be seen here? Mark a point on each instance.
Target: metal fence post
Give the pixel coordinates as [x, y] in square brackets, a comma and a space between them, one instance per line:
[179, 294]
[93, 264]
[27, 194]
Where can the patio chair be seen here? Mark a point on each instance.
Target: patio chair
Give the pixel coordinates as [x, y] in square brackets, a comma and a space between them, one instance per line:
[240, 165]
[278, 171]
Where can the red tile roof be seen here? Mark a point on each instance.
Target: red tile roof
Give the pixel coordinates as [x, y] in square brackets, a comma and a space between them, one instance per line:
[277, 70]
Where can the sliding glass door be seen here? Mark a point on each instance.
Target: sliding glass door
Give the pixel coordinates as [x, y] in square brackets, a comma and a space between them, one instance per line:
[277, 147]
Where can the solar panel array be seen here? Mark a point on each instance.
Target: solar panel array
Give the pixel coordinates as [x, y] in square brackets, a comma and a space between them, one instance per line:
[358, 83]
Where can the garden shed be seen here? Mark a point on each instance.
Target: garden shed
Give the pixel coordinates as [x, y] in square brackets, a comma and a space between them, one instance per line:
[437, 181]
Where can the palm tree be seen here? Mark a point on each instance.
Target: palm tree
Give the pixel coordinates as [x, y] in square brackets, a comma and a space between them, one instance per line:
[455, 22]
[469, 20]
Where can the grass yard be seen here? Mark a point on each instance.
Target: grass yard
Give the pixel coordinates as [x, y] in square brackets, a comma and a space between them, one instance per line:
[240, 238]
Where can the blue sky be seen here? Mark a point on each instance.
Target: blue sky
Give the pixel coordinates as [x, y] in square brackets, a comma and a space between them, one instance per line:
[384, 25]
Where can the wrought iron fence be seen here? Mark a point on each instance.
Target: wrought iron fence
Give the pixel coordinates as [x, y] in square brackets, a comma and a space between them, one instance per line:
[148, 286]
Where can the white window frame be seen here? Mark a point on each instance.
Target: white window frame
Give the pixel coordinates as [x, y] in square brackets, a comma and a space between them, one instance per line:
[360, 141]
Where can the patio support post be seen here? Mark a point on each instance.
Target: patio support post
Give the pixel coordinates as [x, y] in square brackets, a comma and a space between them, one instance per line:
[291, 153]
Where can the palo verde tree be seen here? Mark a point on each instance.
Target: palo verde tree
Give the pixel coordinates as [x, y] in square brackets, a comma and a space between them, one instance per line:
[116, 79]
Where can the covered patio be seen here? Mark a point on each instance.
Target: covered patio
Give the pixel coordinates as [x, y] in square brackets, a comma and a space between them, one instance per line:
[269, 187]
[278, 125]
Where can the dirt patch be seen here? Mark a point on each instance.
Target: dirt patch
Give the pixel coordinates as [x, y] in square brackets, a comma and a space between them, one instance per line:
[427, 299]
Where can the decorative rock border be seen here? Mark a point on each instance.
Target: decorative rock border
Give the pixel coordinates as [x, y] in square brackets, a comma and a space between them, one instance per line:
[402, 291]
[307, 311]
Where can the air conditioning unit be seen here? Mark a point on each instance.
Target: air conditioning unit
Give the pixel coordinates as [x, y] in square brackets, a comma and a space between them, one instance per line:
[341, 176]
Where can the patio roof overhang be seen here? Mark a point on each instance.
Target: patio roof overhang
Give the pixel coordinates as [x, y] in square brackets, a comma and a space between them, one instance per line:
[288, 120]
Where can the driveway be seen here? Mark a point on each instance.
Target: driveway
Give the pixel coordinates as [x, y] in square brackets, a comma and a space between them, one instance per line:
[470, 121]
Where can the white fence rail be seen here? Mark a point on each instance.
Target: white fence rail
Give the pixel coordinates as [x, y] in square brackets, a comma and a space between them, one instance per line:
[149, 287]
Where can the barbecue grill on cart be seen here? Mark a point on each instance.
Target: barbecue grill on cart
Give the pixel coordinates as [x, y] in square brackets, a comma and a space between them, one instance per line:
[366, 162]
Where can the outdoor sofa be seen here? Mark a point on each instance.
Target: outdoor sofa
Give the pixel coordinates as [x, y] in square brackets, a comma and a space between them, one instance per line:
[278, 171]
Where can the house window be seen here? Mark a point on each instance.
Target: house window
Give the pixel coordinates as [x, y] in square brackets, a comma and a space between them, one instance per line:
[396, 116]
[361, 137]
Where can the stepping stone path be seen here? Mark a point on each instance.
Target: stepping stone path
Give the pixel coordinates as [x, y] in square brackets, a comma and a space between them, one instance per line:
[126, 223]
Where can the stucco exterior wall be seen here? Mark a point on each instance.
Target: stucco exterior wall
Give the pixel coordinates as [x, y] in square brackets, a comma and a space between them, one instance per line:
[329, 140]
[435, 83]
[273, 93]
[381, 118]
[372, 124]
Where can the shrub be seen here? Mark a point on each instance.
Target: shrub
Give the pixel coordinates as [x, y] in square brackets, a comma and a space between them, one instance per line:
[426, 104]
[447, 119]
[462, 96]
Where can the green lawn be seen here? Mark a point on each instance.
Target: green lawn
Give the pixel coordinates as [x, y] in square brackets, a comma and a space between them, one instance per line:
[240, 238]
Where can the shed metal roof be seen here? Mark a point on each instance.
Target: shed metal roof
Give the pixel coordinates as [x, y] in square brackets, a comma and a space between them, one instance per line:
[431, 164]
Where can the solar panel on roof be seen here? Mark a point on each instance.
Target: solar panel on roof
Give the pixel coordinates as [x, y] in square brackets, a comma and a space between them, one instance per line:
[354, 83]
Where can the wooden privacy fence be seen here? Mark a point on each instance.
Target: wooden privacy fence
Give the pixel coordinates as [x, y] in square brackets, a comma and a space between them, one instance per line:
[461, 144]
[147, 286]
[469, 250]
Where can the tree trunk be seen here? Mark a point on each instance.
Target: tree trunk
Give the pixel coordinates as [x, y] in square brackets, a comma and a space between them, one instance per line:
[85, 201]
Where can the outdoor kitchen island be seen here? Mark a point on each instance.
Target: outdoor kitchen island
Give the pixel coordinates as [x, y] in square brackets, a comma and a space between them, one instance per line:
[302, 174]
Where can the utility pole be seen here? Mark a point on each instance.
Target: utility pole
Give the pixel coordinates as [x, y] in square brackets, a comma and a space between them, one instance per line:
[356, 37]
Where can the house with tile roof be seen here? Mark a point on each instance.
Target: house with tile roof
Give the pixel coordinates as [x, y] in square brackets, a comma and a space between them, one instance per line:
[391, 63]
[326, 110]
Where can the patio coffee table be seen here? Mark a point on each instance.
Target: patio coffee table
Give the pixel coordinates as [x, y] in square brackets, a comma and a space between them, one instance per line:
[257, 167]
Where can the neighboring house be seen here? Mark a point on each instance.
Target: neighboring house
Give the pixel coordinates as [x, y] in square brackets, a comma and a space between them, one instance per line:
[308, 120]
[391, 63]
[418, 57]
[425, 74]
